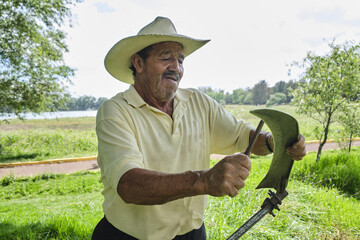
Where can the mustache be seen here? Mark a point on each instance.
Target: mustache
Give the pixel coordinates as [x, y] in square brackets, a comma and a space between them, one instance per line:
[172, 74]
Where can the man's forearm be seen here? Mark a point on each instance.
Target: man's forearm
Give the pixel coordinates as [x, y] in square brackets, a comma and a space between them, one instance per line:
[145, 187]
[260, 147]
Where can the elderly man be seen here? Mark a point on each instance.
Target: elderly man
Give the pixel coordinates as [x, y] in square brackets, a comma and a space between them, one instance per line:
[155, 140]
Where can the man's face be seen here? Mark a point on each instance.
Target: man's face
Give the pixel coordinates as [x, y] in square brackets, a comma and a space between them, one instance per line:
[160, 75]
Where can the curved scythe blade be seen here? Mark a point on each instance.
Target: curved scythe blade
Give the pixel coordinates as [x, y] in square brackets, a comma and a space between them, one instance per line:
[285, 131]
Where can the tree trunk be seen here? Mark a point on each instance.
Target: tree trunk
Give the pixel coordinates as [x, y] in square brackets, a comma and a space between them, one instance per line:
[322, 143]
[319, 150]
[350, 142]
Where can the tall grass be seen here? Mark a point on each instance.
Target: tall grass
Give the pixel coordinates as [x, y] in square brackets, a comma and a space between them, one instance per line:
[40, 139]
[53, 206]
[33, 140]
[25, 145]
[309, 212]
[335, 169]
[50, 206]
[80, 123]
[53, 217]
[49, 185]
[69, 206]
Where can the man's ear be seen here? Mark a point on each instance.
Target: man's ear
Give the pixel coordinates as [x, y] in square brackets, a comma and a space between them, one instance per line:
[138, 63]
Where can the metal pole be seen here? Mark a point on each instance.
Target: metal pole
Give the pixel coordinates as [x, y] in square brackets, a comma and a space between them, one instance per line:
[249, 223]
[267, 207]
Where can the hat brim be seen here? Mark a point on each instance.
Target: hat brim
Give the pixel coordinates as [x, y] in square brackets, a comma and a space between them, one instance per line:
[118, 59]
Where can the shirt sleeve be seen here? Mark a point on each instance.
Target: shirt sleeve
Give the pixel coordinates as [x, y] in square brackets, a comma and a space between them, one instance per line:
[118, 150]
[228, 134]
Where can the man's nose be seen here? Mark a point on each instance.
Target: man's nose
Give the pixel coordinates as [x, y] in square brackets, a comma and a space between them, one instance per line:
[175, 65]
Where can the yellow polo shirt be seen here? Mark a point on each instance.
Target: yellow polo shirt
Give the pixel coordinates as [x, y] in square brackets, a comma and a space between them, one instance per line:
[132, 134]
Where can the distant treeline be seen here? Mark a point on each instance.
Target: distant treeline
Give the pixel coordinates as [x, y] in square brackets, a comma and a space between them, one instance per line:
[260, 94]
[83, 103]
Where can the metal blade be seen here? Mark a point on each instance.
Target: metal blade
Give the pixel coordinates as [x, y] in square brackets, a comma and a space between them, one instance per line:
[285, 131]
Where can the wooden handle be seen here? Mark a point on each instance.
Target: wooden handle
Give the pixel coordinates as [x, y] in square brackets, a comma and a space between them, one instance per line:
[254, 137]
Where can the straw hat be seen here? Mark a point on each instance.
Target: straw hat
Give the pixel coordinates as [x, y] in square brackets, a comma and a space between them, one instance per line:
[118, 59]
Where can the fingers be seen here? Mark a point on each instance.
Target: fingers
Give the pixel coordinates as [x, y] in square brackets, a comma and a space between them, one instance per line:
[241, 159]
[237, 186]
[228, 176]
[298, 150]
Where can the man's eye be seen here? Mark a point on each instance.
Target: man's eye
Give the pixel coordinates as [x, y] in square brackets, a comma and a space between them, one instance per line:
[180, 61]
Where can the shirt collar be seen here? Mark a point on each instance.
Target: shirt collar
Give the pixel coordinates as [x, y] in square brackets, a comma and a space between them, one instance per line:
[133, 98]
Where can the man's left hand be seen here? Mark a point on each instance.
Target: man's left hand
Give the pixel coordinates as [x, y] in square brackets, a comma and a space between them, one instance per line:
[297, 151]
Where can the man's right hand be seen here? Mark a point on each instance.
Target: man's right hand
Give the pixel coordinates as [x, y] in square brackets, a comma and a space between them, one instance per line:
[228, 176]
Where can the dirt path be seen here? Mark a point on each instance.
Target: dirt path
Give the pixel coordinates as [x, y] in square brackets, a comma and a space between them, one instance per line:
[75, 166]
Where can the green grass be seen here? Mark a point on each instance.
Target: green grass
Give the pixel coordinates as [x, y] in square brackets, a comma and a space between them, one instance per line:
[34, 140]
[33, 145]
[309, 212]
[49, 184]
[63, 206]
[81, 123]
[50, 206]
[336, 169]
[53, 217]
[322, 203]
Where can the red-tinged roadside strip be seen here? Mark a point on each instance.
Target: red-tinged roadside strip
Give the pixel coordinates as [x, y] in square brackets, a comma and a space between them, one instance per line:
[328, 141]
[79, 159]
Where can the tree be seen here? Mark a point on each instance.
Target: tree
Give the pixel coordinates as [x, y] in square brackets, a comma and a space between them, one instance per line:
[260, 92]
[85, 102]
[32, 44]
[328, 84]
[290, 86]
[350, 119]
[238, 96]
[99, 101]
[279, 87]
[216, 94]
[249, 99]
[276, 99]
[284, 87]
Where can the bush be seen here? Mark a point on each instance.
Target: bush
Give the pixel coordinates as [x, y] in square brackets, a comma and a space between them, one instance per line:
[276, 99]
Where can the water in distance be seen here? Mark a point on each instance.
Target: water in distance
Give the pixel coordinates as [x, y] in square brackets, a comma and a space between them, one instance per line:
[51, 115]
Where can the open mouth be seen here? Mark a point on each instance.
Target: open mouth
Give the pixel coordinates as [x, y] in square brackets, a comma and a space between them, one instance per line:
[171, 76]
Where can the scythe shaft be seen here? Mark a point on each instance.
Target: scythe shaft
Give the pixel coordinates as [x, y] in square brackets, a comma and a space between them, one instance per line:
[267, 207]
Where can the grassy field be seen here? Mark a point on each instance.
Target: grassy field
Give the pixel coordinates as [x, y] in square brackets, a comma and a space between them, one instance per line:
[69, 206]
[34, 140]
[323, 199]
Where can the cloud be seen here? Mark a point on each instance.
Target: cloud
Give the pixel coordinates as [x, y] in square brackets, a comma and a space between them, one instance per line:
[103, 7]
[335, 15]
[250, 40]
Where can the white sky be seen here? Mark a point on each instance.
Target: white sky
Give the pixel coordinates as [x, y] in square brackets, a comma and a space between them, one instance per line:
[250, 40]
